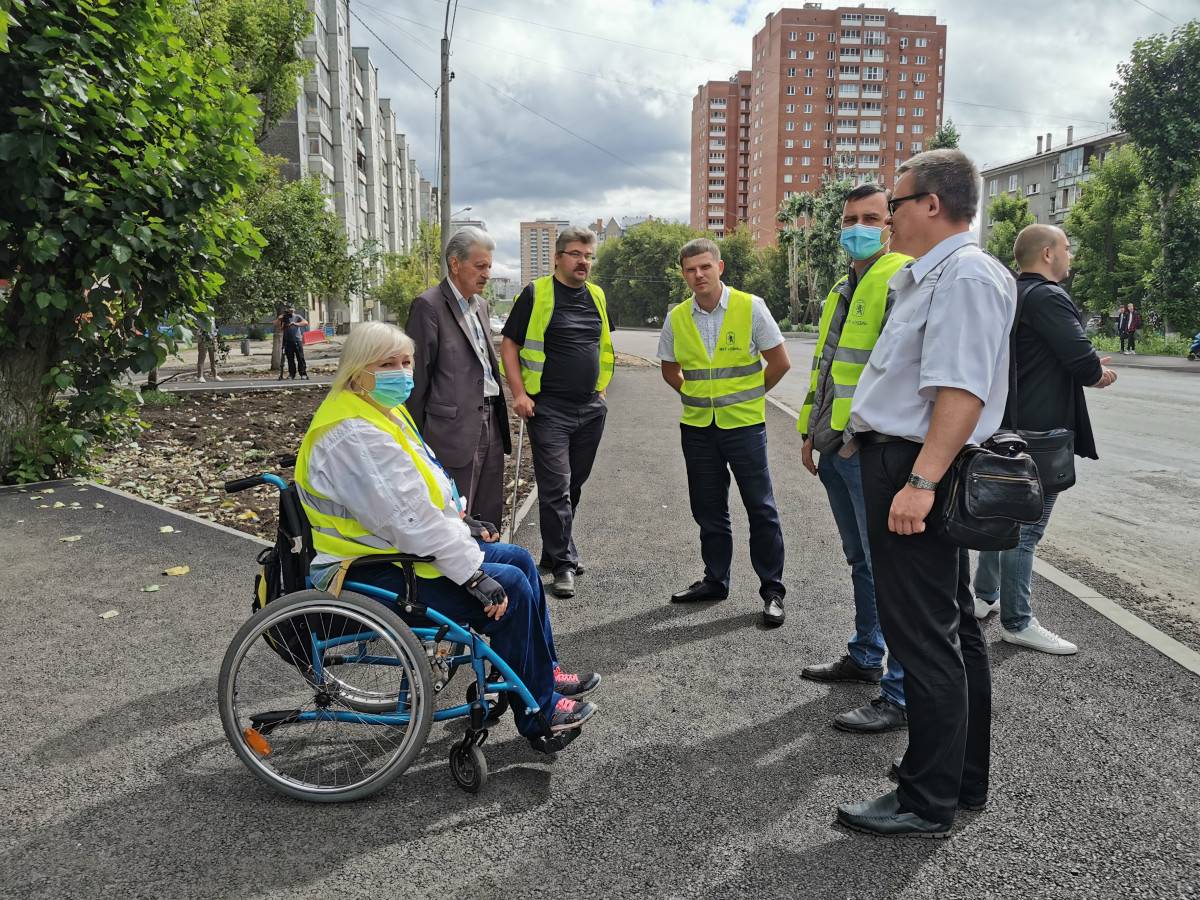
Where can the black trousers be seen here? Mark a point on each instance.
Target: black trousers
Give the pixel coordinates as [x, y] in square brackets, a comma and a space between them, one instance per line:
[1128, 337]
[481, 480]
[923, 592]
[710, 454]
[294, 351]
[564, 440]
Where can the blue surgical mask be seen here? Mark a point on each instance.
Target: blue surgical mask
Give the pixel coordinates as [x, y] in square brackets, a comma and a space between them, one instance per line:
[392, 386]
[862, 241]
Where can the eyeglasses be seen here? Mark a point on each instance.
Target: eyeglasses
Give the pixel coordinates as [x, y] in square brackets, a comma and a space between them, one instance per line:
[896, 201]
[579, 254]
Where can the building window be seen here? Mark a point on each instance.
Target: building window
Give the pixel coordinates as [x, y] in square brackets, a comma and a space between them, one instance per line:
[915, 146]
[808, 108]
[903, 76]
[804, 178]
[789, 160]
[918, 111]
[922, 60]
[899, 128]
[903, 42]
[808, 126]
[918, 129]
[900, 111]
[806, 160]
[787, 179]
[808, 91]
[1031, 189]
[830, 56]
[810, 35]
[809, 54]
[922, 42]
[901, 94]
[790, 90]
[787, 145]
[900, 146]
[789, 126]
[919, 78]
[807, 143]
[918, 95]
[1012, 182]
[314, 146]
[791, 54]
[903, 60]
[808, 73]
[791, 72]
[790, 108]
[792, 36]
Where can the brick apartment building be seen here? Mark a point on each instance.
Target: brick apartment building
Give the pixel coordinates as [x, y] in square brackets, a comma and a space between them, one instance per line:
[721, 154]
[852, 91]
[537, 247]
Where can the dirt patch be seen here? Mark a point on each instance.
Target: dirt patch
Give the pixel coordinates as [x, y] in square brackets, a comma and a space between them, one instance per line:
[189, 450]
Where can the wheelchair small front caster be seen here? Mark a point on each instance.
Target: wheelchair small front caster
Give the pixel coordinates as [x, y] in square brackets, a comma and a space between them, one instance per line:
[469, 767]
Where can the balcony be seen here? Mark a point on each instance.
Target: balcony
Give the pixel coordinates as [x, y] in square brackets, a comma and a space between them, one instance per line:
[848, 129]
[872, 55]
[867, 111]
[845, 41]
[865, 162]
[847, 144]
[716, 160]
[872, 92]
[849, 76]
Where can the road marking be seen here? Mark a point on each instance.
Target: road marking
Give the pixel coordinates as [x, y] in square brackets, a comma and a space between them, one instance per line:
[1121, 617]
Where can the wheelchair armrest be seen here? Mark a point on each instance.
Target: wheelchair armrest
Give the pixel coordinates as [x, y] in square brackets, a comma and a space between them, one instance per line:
[389, 558]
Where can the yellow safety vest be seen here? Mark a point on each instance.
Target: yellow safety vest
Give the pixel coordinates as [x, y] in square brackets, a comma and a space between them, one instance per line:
[335, 531]
[729, 386]
[860, 331]
[533, 352]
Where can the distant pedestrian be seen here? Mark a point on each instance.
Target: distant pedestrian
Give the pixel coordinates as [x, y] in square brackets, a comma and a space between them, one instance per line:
[712, 350]
[937, 379]
[207, 340]
[1128, 323]
[1054, 361]
[558, 359]
[292, 326]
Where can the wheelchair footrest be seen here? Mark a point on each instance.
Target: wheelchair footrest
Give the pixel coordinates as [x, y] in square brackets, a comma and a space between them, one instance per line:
[552, 743]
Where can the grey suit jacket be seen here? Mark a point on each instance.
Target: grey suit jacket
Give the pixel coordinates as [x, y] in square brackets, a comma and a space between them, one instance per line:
[447, 392]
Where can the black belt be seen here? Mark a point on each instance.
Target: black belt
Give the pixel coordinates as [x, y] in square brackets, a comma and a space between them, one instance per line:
[875, 437]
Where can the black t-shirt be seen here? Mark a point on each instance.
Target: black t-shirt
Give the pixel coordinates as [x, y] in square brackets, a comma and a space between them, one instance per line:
[572, 341]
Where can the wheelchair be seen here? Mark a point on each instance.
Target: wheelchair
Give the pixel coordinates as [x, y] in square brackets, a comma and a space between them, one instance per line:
[330, 698]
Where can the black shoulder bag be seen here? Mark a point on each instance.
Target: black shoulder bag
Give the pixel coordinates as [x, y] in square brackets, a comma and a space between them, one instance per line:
[990, 490]
[1053, 451]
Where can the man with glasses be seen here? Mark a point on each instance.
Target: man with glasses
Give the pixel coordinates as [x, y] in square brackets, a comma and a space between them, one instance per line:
[936, 379]
[558, 360]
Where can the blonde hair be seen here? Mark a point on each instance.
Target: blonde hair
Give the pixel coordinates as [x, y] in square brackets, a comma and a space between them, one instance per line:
[368, 343]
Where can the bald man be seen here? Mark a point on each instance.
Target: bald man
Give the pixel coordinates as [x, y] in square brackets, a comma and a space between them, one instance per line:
[1054, 362]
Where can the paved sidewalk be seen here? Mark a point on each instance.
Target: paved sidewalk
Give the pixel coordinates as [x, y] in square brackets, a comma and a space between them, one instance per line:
[710, 772]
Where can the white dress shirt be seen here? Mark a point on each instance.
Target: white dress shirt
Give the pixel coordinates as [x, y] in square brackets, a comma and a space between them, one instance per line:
[365, 470]
[469, 309]
[764, 331]
[948, 327]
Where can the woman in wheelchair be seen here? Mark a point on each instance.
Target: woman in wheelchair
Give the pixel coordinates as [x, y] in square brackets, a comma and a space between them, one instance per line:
[370, 485]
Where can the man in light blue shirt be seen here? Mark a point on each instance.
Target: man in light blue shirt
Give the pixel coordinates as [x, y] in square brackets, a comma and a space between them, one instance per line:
[936, 379]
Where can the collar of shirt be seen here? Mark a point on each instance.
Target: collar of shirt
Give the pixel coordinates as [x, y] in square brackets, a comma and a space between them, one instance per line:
[466, 302]
[723, 303]
[938, 254]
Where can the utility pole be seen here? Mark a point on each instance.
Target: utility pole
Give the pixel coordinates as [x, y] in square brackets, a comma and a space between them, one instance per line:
[444, 189]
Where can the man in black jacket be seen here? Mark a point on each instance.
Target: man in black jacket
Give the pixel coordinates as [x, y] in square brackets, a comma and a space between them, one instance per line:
[1054, 361]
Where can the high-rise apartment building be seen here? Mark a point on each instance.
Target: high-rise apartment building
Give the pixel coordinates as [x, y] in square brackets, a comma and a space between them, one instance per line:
[849, 91]
[343, 132]
[720, 154]
[537, 247]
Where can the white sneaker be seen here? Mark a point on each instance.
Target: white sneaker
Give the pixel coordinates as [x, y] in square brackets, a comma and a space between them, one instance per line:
[218, 378]
[200, 378]
[1036, 637]
[983, 609]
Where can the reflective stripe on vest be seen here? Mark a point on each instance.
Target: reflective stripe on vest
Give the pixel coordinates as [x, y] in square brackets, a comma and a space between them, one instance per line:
[729, 387]
[533, 351]
[860, 330]
[335, 531]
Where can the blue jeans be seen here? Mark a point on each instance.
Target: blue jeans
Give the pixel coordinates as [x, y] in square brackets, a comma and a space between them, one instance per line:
[522, 636]
[843, 483]
[1007, 575]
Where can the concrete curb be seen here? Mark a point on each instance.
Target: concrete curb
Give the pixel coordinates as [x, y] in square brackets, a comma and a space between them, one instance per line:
[194, 519]
[1115, 613]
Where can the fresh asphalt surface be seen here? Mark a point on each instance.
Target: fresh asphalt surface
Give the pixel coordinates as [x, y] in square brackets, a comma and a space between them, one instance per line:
[711, 771]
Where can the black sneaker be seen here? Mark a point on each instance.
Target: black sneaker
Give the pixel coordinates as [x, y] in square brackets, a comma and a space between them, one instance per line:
[571, 684]
[569, 714]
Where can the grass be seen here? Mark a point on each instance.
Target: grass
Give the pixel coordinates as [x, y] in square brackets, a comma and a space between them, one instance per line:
[1149, 344]
[160, 398]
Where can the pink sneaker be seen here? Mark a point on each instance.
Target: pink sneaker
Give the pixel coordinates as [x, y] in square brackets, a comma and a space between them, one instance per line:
[571, 685]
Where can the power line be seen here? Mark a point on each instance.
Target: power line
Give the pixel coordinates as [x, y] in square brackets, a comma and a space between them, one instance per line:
[390, 50]
[1155, 11]
[1027, 112]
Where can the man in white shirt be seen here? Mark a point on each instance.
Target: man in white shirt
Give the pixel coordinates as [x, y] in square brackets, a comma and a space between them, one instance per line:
[936, 380]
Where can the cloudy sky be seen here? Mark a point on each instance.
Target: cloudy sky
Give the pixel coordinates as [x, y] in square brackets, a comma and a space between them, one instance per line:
[582, 109]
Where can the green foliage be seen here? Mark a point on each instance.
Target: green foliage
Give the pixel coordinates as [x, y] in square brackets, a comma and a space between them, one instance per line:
[768, 279]
[123, 163]
[9, 9]
[812, 239]
[1007, 214]
[1113, 236]
[738, 254]
[260, 38]
[1155, 102]
[155, 399]
[639, 272]
[1149, 343]
[945, 138]
[406, 275]
[305, 250]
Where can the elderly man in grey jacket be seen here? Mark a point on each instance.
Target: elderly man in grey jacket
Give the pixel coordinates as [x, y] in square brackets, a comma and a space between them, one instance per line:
[456, 400]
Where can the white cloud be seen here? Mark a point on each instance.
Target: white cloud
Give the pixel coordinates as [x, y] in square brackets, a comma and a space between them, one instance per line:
[631, 94]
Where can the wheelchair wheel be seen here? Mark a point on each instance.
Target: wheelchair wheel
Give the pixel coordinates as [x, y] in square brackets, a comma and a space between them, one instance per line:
[468, 765]
[295, 727]
[497, 703]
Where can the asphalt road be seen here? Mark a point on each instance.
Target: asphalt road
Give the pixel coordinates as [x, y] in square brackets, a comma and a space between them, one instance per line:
[711, 771]
[1134, 514]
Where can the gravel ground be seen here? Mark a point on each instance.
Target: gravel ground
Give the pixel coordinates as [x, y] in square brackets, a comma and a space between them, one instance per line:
[711, 771]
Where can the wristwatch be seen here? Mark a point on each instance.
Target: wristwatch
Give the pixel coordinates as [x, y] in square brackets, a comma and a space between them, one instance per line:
[921, 484]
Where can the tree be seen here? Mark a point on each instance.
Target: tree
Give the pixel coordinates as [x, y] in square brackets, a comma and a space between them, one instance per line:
[946, 137]
[407, 275]
[1155, 102]
[1113, 239]
[305, 250]
[813, 242]
[124, 161]
[768, 279]
[1007, 215]
[640, 273]
[737, 252]
[261, 39]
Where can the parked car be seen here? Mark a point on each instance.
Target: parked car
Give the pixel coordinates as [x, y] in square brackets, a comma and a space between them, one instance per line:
[1092, 326]
[497, 324]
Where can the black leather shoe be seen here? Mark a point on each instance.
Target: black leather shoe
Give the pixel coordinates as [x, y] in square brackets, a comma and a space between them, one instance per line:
[845, 669]
[968, 803]
[773, 611]
[700, 590]
[876, 717]
[579, 569]
[564, 584]
[883, 817]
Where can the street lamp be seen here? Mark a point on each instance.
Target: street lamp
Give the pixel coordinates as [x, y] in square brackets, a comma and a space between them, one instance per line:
[463, 210]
